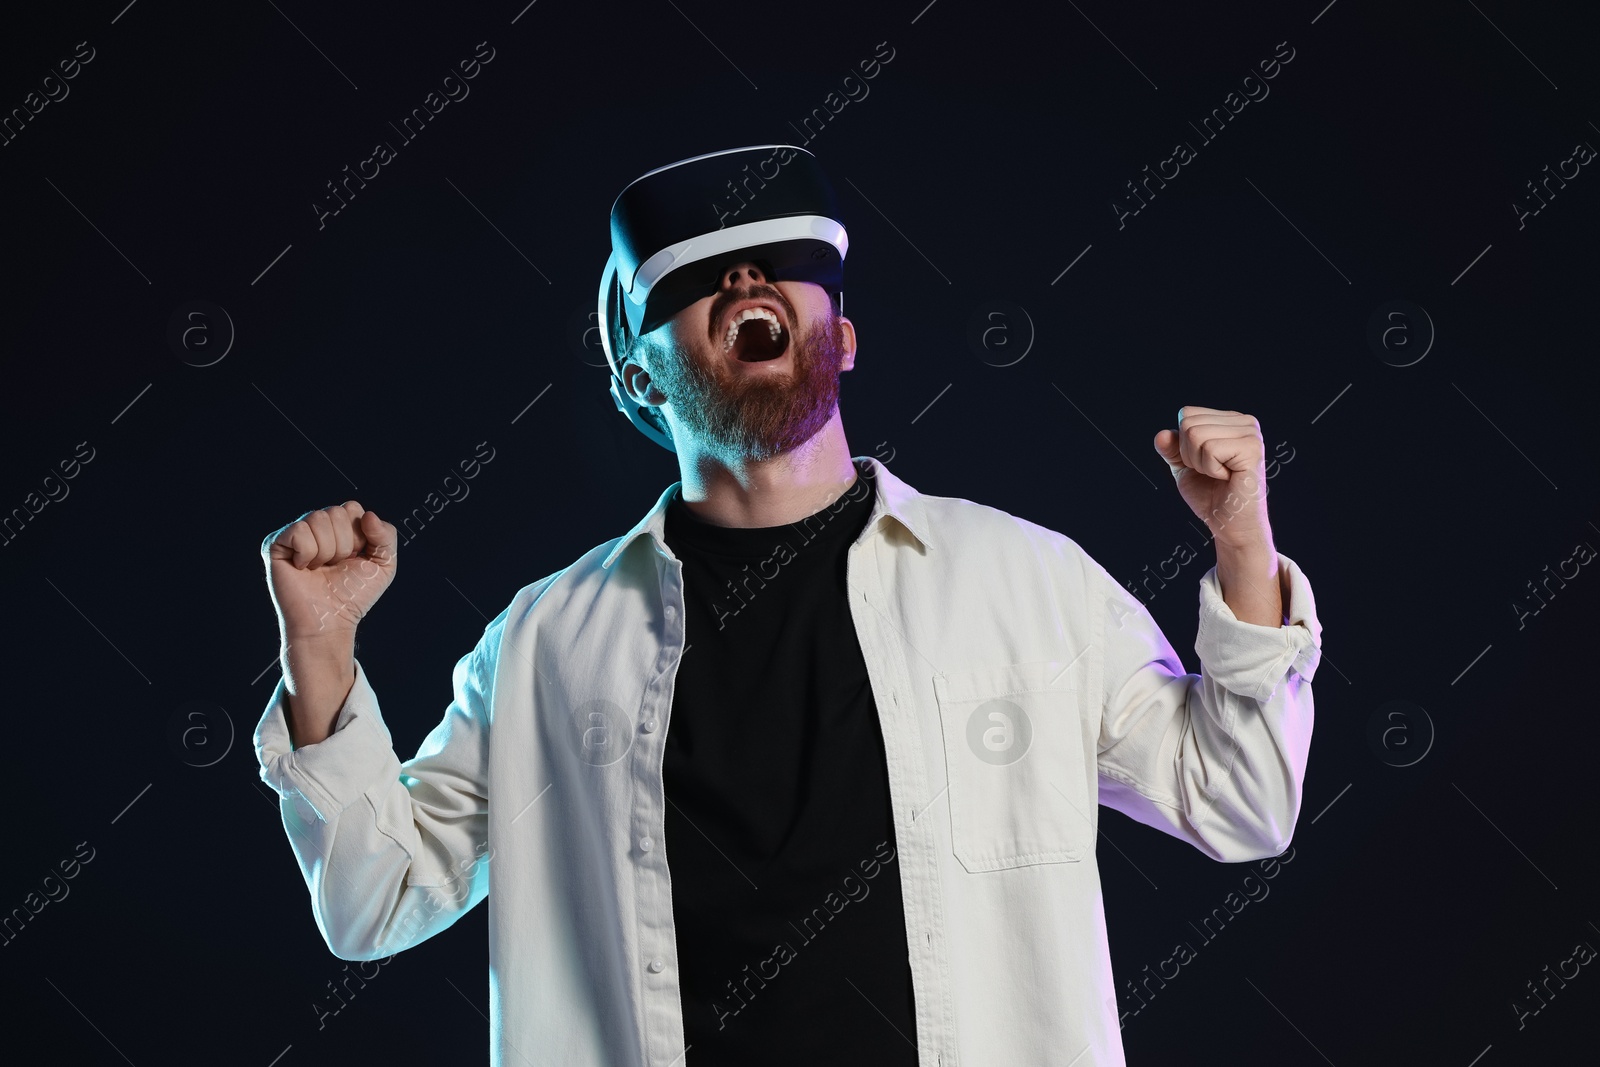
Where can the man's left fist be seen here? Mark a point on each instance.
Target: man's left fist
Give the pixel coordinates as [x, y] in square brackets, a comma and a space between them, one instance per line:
[1218, 460]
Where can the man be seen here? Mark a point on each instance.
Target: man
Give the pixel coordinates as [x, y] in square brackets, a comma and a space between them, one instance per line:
[873, 726]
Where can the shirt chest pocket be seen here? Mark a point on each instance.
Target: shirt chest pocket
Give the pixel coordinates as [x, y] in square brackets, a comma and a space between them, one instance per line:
[1019, 783]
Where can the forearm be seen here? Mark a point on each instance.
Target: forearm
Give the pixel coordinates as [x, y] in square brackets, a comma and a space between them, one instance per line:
[1218, 762]
[391, 851]
[318, 672]
[360, 836]
[1251, 581]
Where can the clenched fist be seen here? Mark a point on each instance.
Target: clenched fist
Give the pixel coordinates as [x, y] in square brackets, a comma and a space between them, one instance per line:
[326, 569]
[1217, 457]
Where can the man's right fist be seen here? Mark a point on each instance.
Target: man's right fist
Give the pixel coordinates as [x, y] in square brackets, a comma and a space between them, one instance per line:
[326, 569]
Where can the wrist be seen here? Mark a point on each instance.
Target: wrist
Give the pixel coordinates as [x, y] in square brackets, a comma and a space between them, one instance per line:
[315, 641]
[1246, 545]
[321, 652]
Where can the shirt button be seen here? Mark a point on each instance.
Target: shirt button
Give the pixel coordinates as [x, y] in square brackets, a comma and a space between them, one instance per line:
[649, 726]
[646, 844]
[658, 965]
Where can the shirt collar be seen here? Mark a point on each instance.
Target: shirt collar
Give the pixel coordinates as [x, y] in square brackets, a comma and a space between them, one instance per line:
[894, 499]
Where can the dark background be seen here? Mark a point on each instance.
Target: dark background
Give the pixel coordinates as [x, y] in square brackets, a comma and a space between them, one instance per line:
[380, 350]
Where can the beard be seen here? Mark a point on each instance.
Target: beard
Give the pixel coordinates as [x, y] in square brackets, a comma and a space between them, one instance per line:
[755, 416]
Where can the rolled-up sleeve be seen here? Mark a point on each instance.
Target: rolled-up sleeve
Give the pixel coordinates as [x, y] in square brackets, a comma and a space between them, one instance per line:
[1217, 758]
[391, 852]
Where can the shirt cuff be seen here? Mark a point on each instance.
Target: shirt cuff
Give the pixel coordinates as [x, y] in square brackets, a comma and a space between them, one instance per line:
[1250, 659]
[323, 779]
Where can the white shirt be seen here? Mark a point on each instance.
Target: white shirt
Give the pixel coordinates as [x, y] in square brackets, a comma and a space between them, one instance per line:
[1018, 687]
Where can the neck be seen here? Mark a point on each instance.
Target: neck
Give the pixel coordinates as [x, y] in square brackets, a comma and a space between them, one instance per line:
[772, 492]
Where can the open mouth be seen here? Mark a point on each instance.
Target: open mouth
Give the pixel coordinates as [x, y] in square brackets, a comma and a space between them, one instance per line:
[755, 335]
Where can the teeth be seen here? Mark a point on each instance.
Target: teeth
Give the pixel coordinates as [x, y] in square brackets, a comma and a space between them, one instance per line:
[746, 315]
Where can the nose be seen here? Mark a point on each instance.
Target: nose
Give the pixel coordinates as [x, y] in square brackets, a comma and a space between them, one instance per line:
[741, 274]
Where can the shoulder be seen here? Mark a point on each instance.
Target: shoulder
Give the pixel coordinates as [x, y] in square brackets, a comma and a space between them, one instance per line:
[1011, 549]
[966, 526]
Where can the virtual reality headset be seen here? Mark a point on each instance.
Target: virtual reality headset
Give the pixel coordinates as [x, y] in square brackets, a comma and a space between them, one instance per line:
[675, 229]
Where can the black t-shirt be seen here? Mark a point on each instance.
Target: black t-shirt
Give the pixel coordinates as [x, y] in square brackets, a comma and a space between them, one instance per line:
[785, 880]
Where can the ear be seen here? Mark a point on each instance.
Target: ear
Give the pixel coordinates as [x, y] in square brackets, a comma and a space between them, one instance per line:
[636, 384]
[848, 329]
